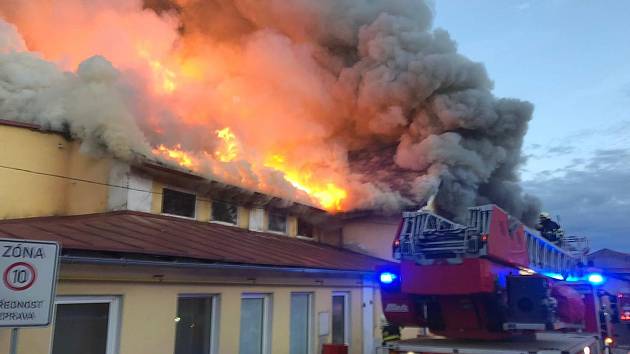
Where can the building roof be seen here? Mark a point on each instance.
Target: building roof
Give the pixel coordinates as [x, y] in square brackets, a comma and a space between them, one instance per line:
[189, 179]
[17, 124]
[130, 233]
[610, 259]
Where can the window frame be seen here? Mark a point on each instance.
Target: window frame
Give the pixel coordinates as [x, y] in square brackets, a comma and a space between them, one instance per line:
[286, 223]
[180, 190]
[310, 321]
[267, 319]
[297, 233]
[214, 318]
[112, 345]
[346, 316]
[221, 222]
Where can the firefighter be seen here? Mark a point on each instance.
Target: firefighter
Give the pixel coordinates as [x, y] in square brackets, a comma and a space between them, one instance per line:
[391, 332]
[548, 228]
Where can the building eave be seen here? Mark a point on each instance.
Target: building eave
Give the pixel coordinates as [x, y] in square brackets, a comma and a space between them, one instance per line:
[183, 264]
[138, 237]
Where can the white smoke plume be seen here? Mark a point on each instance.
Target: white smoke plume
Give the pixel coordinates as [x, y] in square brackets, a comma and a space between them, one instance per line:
[87, 102]
[362, 94]
[10, 40]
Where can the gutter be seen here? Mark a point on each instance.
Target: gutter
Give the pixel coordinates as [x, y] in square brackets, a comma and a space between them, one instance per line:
[31, 126]
[66, 259]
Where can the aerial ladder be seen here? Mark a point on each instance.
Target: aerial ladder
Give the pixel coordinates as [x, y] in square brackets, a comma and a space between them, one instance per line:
[489, 279]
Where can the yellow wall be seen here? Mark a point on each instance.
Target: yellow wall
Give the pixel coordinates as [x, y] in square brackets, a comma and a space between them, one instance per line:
[156, 201]
[204, 209]
[27, 194]
[373, 237]
[292, 226]
[148, 310]
[243, 217]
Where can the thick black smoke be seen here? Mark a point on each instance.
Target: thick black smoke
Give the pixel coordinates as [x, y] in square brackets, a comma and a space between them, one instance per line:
[365, 89]
[418, 117]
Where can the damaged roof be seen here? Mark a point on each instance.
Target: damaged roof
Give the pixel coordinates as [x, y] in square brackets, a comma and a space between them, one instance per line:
[131, 233]
[188, 179]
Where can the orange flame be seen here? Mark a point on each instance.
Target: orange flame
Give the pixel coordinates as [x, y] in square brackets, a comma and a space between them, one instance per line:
[163, 75]
[327, 194]
[199, 81]
[177, 155]
[229, 149]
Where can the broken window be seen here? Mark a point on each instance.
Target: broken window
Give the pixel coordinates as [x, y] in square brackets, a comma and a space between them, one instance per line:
[277, 222]
[305, 229]
[178, 203]
[224, 212]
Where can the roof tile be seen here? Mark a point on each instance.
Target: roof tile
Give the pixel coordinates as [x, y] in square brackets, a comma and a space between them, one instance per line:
[159, 235]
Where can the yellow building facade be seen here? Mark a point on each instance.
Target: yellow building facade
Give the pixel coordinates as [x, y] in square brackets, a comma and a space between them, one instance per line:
[145, 294]
[147, 309]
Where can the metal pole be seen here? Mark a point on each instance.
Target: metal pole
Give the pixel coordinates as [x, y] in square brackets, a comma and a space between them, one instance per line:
[14, 341]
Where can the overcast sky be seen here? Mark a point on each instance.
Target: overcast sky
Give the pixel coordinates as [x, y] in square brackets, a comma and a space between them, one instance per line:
[571, 59]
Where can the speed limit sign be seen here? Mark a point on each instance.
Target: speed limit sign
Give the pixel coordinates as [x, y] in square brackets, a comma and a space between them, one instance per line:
[27, 289]
[19, 276]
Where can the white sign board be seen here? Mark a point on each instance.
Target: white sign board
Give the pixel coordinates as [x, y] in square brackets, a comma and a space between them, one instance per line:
[27, 287]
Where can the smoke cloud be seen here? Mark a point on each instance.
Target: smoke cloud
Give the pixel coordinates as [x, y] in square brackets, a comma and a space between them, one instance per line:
[359, 95]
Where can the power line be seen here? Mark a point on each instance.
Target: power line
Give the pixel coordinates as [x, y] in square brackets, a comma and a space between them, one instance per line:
[88, 181]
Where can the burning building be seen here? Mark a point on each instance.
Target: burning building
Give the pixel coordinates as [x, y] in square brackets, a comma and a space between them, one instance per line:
[183, 129]
[155, 258]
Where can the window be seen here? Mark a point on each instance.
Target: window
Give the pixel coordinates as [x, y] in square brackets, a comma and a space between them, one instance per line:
[340, 318]
[254, 335]
[224, 212]
[300, 323]
[305, 229]
[256, 219]
[178, 203]
[277, 222]
[86, 325]
[195, 324]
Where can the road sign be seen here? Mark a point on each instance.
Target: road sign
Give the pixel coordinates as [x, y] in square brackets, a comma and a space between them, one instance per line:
[27, 287]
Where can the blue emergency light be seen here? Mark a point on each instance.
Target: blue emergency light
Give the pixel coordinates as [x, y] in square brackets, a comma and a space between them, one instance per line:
[556, 276]
[387, 277]
[595, 278]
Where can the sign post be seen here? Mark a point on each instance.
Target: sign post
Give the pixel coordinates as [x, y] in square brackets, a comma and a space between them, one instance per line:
[14, 340]
[28, 271]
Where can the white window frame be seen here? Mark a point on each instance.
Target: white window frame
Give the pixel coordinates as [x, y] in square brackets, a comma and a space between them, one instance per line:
[194, 217]
[311, 320]
[346, 314]
[113, 317]
[267, 321]
[367, 314]
[214, 319]
[238, 214]
[306, 238]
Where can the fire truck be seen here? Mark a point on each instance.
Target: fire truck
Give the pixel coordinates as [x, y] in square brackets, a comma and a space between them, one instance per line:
[490, 285]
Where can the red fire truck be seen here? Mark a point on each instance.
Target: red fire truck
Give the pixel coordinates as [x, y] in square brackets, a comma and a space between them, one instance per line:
[490, 285]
